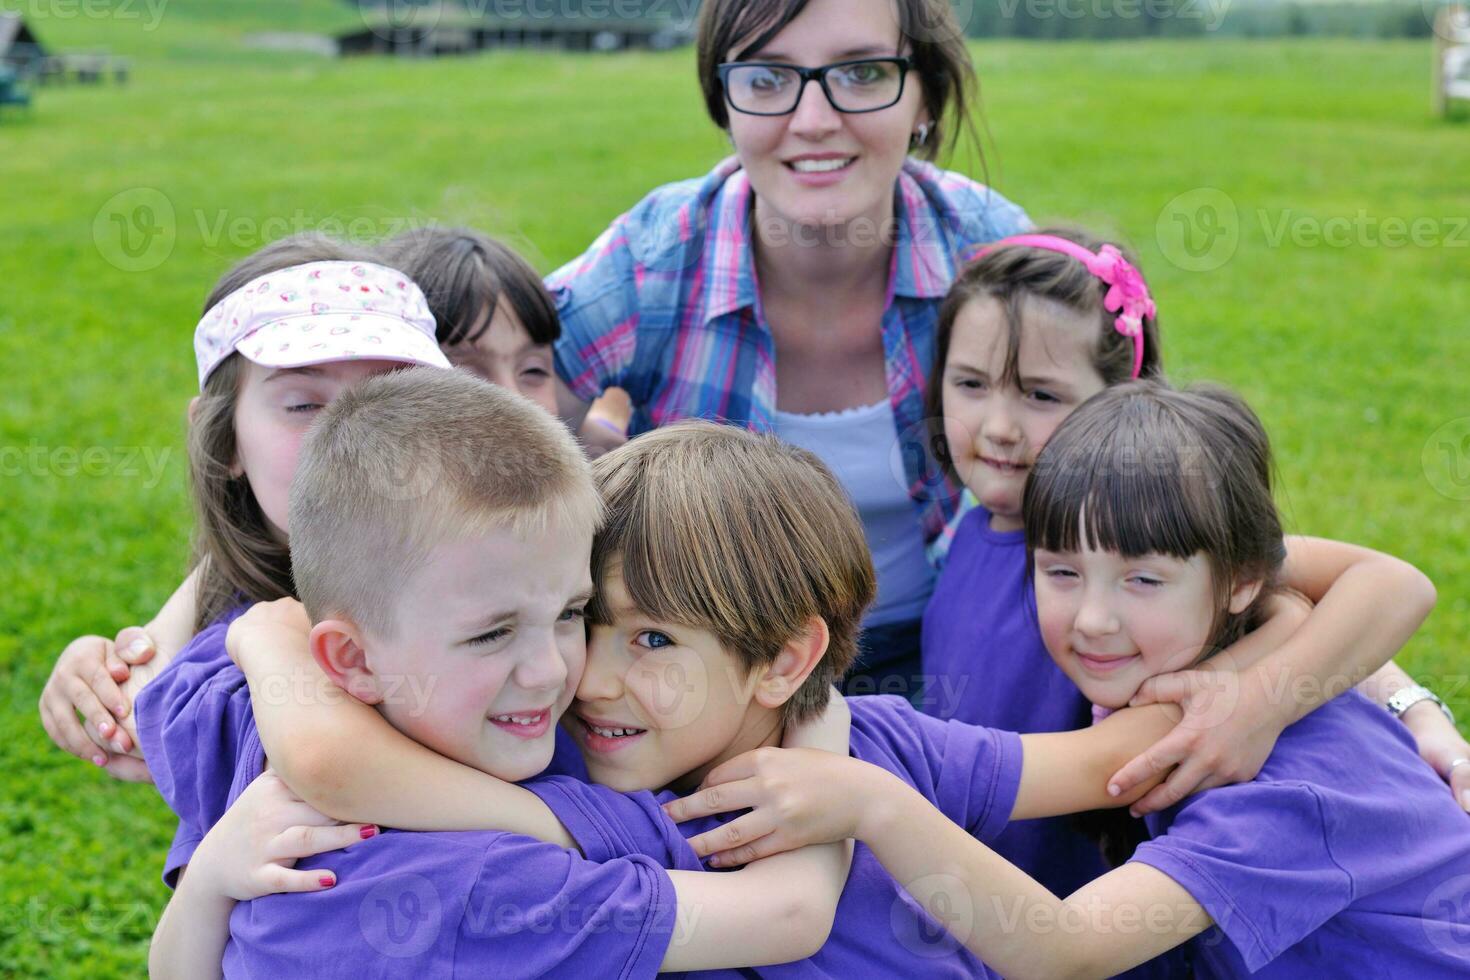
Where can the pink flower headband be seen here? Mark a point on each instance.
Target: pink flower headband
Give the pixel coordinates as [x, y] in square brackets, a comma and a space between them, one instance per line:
[1127, 293]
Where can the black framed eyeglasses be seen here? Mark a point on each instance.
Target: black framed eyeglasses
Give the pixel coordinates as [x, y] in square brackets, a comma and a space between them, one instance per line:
[762, 88]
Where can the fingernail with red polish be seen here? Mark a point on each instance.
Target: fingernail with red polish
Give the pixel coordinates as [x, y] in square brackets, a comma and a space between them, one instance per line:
[368, 831]
[99, 760]
[326, 881]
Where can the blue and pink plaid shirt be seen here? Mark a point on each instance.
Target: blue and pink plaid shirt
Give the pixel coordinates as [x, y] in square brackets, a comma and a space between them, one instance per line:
[664, 306]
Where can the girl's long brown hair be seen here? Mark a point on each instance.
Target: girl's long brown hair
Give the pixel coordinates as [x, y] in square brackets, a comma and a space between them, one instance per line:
[237, 556]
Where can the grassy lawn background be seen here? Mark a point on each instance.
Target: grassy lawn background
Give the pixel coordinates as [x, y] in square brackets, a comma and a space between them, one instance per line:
[1355, 353]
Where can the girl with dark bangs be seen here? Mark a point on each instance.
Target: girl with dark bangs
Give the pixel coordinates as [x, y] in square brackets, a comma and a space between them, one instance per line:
[1154, 540]
[1033, 327]
[494, 316]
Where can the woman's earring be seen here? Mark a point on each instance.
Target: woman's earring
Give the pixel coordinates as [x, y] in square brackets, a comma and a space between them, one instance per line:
[921, 135]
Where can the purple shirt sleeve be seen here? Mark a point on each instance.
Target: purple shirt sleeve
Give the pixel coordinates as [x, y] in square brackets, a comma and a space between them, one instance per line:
[1338, 851]
[970, 773]
[607, 824]
[193, 722]
[1265, 890]
[473, 904]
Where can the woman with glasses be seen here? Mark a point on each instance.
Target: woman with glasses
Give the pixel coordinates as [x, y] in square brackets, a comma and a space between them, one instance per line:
[795, 288]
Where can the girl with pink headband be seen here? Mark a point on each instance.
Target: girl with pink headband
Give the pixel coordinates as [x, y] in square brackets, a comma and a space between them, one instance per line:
[1033, 326]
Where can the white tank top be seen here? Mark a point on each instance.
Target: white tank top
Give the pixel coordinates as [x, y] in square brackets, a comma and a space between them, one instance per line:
[856, 444]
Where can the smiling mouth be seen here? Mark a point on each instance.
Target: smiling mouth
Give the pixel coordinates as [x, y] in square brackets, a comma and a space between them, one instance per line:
[823, 166]
[525, 724]
[1003, 466]
[1103, 665]
[607, 738]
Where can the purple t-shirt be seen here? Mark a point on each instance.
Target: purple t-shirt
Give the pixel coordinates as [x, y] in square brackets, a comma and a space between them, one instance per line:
[971, 774]
[985, 664]
[427, 904]
[1345, 857]
[194, 722]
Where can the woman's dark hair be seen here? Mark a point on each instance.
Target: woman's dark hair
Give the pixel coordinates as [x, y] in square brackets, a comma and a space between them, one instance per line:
[936, 46]
[1142, 468]
[464, 274]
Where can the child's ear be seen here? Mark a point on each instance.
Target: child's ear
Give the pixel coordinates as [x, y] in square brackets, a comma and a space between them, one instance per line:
[193, 409]
[780, 681]
[1243, 595]
[336, 646]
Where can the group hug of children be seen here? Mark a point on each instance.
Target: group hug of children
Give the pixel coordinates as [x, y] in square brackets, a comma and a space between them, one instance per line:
[498, 709]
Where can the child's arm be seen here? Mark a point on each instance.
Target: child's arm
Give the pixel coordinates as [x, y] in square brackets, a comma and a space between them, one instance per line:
[770, 912]
[774, 911]
[1018, 927]
[251, 852]
[1061, 772]
[153, 647]
[347, 761]
[1367, 606]
[983, 900]
[99, 679]
[1440, 742]
[788, 900]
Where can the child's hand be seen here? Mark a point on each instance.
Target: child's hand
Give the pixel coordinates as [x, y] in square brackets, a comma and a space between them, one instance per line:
[1442, 746]
[85, 682]
[796, 797]
[254, 848]
[1228, 731]
[281, 626]
[1231, 719]
[605, 426]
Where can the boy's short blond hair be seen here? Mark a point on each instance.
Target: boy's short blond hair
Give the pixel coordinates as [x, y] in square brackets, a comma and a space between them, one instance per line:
[739, 534]
[399, 463]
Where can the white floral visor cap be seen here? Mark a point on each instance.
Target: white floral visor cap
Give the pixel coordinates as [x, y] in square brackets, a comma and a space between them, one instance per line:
[317, 313]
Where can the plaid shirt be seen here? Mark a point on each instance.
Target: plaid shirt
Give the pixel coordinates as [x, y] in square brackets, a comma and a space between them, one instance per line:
[664, 306]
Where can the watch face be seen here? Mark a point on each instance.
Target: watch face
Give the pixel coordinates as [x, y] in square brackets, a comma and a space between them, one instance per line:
[1400, 700]
[1406, 698]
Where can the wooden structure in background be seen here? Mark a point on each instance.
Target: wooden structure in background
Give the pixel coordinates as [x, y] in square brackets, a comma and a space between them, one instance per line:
[1451, 57]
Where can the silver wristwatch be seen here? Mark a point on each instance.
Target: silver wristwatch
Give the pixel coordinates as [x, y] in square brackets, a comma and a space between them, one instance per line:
[1406, 697]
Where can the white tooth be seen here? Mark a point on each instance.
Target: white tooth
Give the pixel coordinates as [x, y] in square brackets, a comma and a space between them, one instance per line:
[819, 166]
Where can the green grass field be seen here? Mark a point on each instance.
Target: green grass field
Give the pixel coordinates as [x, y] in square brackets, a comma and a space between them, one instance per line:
[1326, 278]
